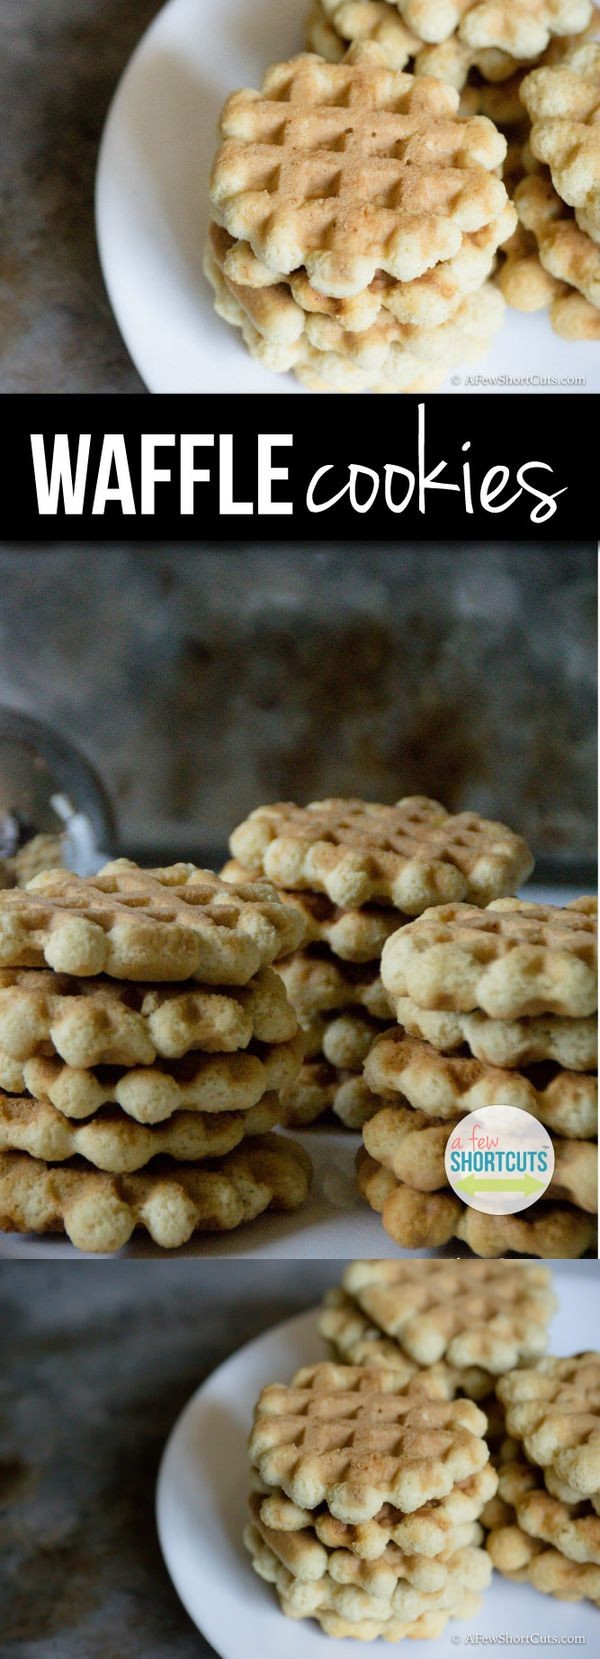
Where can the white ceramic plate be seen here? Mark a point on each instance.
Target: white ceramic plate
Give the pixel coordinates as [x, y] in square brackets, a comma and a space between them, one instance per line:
[201, 1499]
[334, 1223]
[155, 159]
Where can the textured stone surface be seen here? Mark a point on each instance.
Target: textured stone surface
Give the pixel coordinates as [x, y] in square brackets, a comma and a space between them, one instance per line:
[97, 1364]
[204, 681]
[59, 65]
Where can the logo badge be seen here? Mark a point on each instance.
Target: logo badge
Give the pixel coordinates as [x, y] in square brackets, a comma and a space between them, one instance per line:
[499, 1160]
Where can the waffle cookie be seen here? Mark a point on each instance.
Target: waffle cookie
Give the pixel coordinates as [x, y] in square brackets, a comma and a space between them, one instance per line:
[393, 327]
[366, 1493]
[550, 261]
[555, 1412]
[312, 171]
[199, 1082]
[317, 984]
[417, 1221]
[563, 102]
[170, 924]
[443, 39]
[525, 1559]
[521, 27]
[571, 1528]
[360, 1447]
[491, 1315]
[356, 852]
[97, 1022]
[438, 1528]
[352, 935]
[310, 1562]
[448, 1087]
[343, 1038]
[571, 1043]
[99, 1212]
[356, 1340]
[321, 1089]
[388, 356]
[304, 1598]
[510, 961]
[111, 1141]
[347, 1611]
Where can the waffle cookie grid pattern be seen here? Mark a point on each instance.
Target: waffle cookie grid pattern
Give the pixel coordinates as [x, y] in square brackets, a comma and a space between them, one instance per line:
[347, 1462]
[145, 1040]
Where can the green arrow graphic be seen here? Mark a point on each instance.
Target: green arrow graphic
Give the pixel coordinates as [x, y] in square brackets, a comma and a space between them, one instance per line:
[517, 1183]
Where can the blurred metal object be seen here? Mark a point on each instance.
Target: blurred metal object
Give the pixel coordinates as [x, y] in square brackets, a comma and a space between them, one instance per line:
[54, 809]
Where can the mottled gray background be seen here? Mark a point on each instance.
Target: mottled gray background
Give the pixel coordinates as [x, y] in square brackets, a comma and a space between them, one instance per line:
[97, 1363]
[202, 682]
[60, 61]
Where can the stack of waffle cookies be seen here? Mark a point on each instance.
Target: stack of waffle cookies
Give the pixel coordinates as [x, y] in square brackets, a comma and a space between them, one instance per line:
[357, 871]
[474, 44]
[553, 257]
[543, 1527]
[495, 1007]
[144, 1040]
[356, 216]
[470, 1322]
[367, 1492]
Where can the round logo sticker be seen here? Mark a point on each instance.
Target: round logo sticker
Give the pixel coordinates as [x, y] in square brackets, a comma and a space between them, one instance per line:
[499, 1160]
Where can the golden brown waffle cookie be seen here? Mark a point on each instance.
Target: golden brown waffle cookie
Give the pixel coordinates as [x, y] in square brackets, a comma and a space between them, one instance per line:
[307, 1559]
[335, 25]
[112, 1142]
[511, 960]
[390, 356]
[96, 1022]
[572, 1043]
[170, 924]
[410, 854]
[522, 27]
[527, 286]
[357, 1341]
[555, 1411]
[412, 1147]
[563, 103]
[99, 1212]
[320, 1088]
[353, 935]
[565, 251]
[307, 1598]
[351, 168]
[421, 362]
[486, 1314]
[342, 1039]
[435, 1529]
[573, 1529]
[316, 984]
[356, 1450]
[426, 301]
[450, 1086]
[516, 1555]
[199, 1082]
[419, 1221]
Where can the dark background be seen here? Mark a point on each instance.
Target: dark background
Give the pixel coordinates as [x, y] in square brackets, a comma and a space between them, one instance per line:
[203, 681]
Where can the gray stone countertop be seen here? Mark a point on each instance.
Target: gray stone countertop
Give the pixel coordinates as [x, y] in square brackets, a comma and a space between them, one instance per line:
[97, 1362]
[60, 61]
